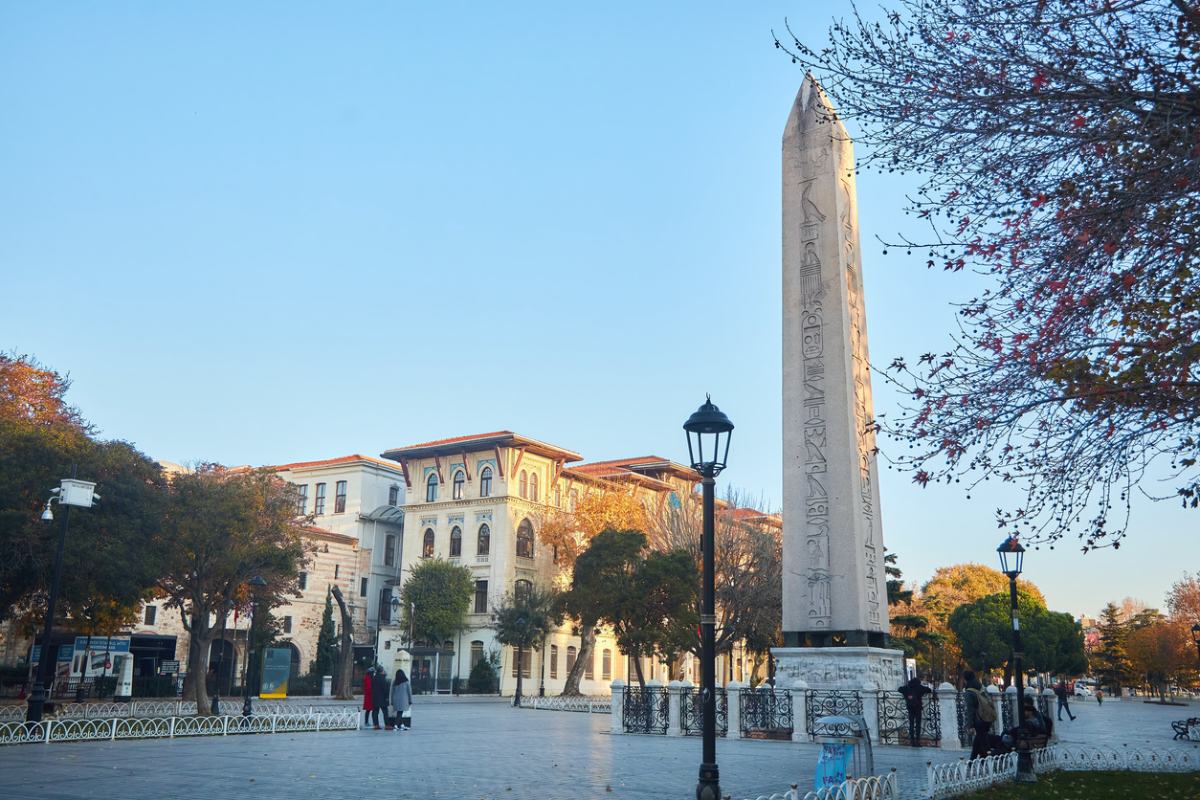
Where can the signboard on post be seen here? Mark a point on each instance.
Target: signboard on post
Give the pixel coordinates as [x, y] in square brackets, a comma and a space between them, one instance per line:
[277, 667]
[168, 668]
[832, 764]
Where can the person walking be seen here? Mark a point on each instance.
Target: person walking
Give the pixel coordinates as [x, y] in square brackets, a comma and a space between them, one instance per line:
[368, 698]
[980, 714]
[402, 701]
[381, 688]
[1060, 691]
[914, 700]
[1099, 697]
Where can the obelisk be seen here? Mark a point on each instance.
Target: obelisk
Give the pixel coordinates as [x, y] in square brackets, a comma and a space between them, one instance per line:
[835, 616]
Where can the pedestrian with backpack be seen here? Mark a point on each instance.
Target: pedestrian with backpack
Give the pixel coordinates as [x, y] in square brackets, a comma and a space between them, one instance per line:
[980, 713]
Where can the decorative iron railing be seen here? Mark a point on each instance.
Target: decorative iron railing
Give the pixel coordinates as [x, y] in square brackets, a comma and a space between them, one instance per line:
[966, 733]
[111, 728]
[896, 725]
[691, 716]
[1043, 704]
[829, 702]
[645, 710]
[964, 776]
[1006, 713]
[164, 708]
[586, 704]
[766, 713]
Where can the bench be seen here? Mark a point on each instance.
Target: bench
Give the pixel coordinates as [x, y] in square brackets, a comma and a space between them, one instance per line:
[1028, 742]
[1182, 726]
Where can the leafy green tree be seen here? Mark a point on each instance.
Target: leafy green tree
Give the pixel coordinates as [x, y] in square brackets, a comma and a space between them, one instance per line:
[658, 613]
[1054, 643]
[1111, 657]
[435, 599]
[223, 528]
[523, 620]
[984, 629]
[326, 659]
[601, 572]
[484, 675]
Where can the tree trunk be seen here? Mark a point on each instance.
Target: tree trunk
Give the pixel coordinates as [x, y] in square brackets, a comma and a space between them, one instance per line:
[637, 668]
[199, 644]
[345, 688]
[520, 672]
[571, 687]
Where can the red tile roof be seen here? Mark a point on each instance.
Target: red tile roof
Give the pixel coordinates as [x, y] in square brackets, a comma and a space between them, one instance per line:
[330, 462]
[496, 438]
[322, 533]
[456, 440]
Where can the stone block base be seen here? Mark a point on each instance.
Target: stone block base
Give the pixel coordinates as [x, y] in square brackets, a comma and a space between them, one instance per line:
[838, 667]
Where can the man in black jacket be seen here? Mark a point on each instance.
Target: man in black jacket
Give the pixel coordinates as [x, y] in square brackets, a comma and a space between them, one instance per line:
[914, 696]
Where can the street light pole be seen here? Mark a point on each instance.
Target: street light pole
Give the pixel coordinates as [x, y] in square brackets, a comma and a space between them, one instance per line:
[1012, 556]
[704, 428]
[256, 583]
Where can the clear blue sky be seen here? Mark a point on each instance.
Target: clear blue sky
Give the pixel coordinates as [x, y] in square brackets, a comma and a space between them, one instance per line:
[258, 233]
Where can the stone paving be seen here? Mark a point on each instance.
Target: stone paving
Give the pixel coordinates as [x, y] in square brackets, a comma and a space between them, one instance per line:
[478, 749]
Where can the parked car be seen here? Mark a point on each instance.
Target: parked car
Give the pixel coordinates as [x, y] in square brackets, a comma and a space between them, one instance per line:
[1082, 689]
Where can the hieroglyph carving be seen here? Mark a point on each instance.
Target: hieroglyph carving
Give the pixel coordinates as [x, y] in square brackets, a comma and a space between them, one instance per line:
[815, 156]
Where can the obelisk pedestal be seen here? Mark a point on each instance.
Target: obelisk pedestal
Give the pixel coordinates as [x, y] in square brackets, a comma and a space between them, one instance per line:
[835, 618]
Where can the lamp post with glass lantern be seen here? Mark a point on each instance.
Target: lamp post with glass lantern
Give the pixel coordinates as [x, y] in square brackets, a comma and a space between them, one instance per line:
[708, 434]
[256, 583]
[1012, 558]
[71, 492]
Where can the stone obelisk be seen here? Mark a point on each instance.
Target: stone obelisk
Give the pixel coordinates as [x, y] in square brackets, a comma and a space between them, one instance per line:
[835, 616]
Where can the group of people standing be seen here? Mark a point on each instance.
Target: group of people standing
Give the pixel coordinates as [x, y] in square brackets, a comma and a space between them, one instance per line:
[981, 716]
[380, 694]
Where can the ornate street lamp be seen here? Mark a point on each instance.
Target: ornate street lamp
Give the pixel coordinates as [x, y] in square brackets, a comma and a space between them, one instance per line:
[256, 583]
[1012, 560]
[71, 492]
[1196, 637]
[708, 434]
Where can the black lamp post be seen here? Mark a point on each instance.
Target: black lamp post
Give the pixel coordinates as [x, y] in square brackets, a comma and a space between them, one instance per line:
[1012, 559]
[1196, 638]
[708, 435]
[256, 583]
[71, 492]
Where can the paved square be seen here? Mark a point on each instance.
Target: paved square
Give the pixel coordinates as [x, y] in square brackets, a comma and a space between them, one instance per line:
[478, 749]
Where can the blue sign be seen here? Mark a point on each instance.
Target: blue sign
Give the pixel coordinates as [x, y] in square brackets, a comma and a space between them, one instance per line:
[832, 765]
[64, 655]
[102, 644]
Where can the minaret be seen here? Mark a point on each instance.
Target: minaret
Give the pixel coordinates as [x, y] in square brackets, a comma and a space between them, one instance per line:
[834, 585]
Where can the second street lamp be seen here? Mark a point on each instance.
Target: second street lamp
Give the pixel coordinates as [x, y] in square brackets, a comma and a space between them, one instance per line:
[256, 583]
[708, 434]
[1012, 559]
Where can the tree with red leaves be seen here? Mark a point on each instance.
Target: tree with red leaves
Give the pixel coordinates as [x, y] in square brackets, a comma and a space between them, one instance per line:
[1059, 147]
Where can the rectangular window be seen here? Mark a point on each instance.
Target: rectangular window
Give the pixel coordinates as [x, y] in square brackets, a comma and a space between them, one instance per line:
[287, 624]
[589, 666]
[319, 503]
[393, 495]
[476, 653]
[385, 605]
[151, 615]
[389, 550]
[526, 664]
[336, 569]
[302, 499]
[303, 580]
[362, 588]
[606, 665]
[339, 498]
[481, 597]
[553, 661]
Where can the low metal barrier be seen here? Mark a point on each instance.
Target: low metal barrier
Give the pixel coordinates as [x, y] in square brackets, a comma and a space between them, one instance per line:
[112, 728]
[766, 713]
[1133, 759]
[645, 710]
[895, 726]
[964, 776]
[827, 703]
[691, 713]
[883, 787]
[585, 704]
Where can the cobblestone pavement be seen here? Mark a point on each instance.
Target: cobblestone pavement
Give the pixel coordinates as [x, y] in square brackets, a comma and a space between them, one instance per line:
[474, 749]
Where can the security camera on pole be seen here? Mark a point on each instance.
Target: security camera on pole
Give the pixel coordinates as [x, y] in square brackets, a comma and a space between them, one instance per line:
[71, 492]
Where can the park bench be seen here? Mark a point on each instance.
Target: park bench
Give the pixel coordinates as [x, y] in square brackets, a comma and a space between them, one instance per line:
[1182, 726]
[1028, 742]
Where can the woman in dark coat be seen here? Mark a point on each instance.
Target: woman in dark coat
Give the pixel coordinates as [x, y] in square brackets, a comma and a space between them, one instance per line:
[368, 699]
[381, 688]
[402, 700]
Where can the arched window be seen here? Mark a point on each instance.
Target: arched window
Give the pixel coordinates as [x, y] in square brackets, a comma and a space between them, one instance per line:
[553, 661]
[431, 488]
[606, 665]
[533, 486]
[572, 499]
[571, 652]
[455, 542]
[427, 545]
[460, 481]
[521, 590]
[389, 550]
[523, 484]
[476, 652]
[485, 482]
[525, 539]
[484, 545]
[557, 496]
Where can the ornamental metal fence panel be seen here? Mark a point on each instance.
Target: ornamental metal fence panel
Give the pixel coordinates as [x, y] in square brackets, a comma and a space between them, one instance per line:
[1006, 709]
[829, 702]
[645, 710]
[966, 733]
[585, 704]
[84, 729]
[691, 717]
[766, 713]
[883, 787]
[895, 726]
[964, 776]
[1101, 758]
[1043, 704]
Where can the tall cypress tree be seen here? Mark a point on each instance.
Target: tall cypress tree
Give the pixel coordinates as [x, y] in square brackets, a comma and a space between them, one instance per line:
[1111, 659]
[325, 662]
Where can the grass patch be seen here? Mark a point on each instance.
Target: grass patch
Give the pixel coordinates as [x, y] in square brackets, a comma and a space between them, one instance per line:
[1099, 786]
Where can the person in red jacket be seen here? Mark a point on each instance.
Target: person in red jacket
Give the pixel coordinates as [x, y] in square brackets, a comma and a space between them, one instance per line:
[368, 702]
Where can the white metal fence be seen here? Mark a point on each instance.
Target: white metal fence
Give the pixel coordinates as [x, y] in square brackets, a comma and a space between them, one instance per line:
[1134, 759]
[586, 704]
[962, 776]
[883, 787]
[160, 708]
[112, 728]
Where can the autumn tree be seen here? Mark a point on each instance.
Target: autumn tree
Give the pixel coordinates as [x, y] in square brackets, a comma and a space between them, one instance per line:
[569, 532]
[1057, 145]
[909, 622]
[1183, 599]
[222, 528]
[1162, 653]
